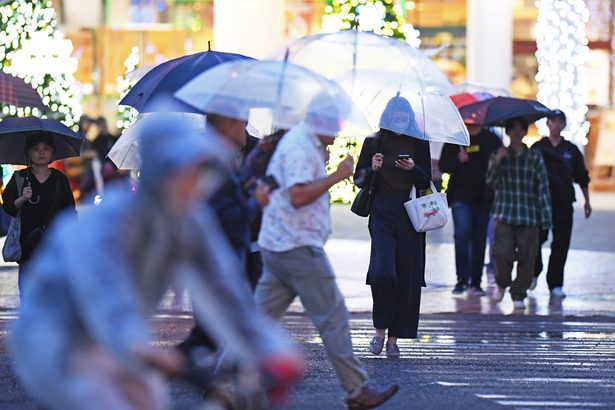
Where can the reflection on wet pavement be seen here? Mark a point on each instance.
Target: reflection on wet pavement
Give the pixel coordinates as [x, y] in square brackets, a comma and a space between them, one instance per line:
[530, 362]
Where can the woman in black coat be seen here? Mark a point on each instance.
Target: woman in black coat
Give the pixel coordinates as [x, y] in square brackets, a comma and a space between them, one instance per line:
[44, 193]
[397, 262]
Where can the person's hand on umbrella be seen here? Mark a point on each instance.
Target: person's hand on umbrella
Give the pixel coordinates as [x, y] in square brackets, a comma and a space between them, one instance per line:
[25, 196]
[463, 156]
[377, 161]
[27, 192]
[407, 164]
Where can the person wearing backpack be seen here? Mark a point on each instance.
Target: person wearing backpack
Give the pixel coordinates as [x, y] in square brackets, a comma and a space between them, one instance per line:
[565, 166]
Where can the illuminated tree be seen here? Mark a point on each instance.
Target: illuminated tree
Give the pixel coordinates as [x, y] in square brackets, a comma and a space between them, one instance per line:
[32, 48]
[384, 17]
[562, 53]
[126, 114]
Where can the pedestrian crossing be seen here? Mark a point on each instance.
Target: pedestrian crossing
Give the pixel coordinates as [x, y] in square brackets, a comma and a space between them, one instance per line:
[525, 362]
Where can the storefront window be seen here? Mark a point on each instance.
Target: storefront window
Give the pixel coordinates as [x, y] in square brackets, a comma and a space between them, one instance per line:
[303, 17]
[442, 25]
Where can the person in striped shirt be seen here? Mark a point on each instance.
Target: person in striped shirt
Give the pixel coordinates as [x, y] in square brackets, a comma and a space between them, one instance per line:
[522, 207]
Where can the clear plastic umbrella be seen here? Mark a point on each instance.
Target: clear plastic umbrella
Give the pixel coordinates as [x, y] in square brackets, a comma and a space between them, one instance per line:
[286, 93]
[373, 70]
[336, 55]
[472, 88]
[125, 152]
[432, 116]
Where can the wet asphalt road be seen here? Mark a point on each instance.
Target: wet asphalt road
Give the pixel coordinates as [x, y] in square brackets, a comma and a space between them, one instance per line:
[469, 361]
[471, 353]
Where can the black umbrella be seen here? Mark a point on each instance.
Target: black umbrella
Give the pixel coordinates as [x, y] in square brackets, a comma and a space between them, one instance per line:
[162, 81]
[496, 111]
[14, 132]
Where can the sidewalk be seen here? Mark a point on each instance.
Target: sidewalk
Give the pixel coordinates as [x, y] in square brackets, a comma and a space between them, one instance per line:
[589, 275]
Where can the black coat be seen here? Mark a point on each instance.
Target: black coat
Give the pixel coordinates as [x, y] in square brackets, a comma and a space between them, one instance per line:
[565, 165]
[421, 174]
[468, 180]
[53, 196]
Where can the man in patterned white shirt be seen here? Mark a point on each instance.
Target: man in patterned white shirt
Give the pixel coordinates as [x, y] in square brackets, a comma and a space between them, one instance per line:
[295, 227]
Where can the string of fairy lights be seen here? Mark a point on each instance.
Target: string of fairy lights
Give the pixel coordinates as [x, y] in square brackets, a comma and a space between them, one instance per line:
[126, 114]
[28, 36]
[562, 53]
[560, 35]
[384, 17]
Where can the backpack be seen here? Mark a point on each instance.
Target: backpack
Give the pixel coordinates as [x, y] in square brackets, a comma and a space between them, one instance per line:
[257, 161]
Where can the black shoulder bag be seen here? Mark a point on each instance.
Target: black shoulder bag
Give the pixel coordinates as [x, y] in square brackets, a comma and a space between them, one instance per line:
[362, 204]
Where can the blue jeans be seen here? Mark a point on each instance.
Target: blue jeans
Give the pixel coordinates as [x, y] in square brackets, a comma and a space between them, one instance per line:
[470, 222]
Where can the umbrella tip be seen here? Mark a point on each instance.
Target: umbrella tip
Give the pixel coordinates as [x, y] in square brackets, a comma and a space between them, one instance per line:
[208, 45]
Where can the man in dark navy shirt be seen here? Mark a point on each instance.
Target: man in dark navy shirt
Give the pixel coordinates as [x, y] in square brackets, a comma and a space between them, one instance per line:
[565, 166]
[234, 211]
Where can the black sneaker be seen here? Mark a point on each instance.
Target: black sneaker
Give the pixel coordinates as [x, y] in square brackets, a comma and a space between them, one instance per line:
[477, 291]
[460, 287]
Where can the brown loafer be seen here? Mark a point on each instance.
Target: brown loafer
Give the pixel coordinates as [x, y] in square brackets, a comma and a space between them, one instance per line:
[370, 398]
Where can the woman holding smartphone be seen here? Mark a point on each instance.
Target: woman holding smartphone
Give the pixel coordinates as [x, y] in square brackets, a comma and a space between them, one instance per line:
[398, 159]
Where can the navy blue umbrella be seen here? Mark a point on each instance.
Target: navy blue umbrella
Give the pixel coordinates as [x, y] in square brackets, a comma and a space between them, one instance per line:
[15, 131]
[161, 82]
[496, 111]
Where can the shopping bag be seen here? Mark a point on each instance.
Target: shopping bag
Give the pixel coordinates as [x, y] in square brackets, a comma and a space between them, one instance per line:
[11, 251]
[428, 212]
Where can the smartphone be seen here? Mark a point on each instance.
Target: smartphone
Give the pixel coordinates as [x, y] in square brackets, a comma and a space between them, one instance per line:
[271, 181]
[403, 156]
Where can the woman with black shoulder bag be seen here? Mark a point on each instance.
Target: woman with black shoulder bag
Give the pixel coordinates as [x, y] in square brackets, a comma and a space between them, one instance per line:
[393, 161]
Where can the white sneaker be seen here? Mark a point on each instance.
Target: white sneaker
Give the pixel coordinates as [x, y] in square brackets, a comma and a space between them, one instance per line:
[533, 284]
[558, 293]
[519, 304]
[499, 294]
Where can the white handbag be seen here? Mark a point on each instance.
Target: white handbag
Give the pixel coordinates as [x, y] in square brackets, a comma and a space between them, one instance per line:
[428, 212]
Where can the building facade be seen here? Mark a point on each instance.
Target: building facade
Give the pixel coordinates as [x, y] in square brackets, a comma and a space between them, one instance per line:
[479, 41]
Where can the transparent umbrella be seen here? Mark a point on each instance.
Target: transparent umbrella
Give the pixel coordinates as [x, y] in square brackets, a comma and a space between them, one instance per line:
[336, 55]
[432, 116]
[125, 152]
[472, 88]
[286, 93]
[373, 70]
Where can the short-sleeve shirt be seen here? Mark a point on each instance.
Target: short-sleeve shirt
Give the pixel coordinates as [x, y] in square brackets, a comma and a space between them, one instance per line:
[299, 158]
